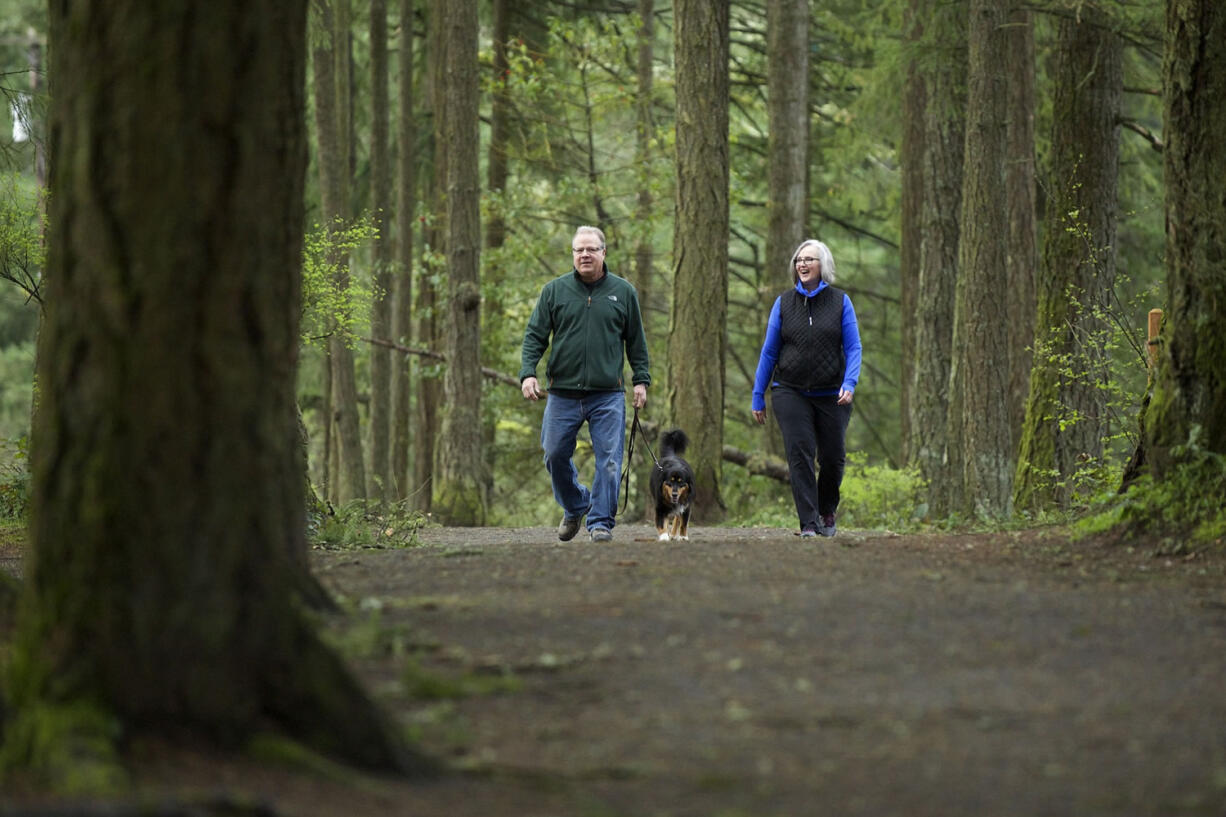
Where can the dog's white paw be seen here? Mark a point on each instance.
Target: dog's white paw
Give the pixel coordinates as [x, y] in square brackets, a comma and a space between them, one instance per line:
[663, 537]
[684, 538]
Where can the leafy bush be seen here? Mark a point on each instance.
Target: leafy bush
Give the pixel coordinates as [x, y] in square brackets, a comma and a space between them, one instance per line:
[364, 524]
[14, 479]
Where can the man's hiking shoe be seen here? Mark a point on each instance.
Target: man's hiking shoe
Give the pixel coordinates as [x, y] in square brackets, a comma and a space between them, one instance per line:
[568, 528]
[827, 527]
[601, 535]
[808, 534]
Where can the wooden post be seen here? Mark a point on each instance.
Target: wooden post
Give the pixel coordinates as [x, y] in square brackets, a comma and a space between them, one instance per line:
[1155, 325]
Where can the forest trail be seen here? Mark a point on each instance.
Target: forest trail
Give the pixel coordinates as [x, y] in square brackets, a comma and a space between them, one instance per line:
[746, 673]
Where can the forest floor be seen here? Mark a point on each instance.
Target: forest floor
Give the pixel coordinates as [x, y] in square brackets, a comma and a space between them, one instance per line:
[748, 673]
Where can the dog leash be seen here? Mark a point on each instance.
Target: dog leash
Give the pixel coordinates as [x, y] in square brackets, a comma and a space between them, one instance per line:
[635, 427]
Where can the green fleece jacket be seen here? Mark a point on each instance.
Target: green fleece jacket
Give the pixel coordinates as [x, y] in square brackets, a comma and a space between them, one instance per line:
[594, 329]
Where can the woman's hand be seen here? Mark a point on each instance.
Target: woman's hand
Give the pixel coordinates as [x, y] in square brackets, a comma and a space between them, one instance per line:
[760, 416]
[844, 397]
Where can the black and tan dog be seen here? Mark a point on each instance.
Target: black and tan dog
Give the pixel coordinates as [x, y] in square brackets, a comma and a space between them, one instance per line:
[672, 486]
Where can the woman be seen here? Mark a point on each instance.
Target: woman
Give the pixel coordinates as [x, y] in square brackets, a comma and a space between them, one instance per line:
[811, 361]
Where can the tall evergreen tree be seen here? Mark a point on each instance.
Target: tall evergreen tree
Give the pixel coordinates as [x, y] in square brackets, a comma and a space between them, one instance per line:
[1188, 406]
[1065, 412]
[698, 331]
[167, 498]
[380, 478]
[459, 489]
[402, 434]
[980, 444]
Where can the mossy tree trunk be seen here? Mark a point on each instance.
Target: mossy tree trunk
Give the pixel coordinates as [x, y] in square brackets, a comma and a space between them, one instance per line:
[167, 488]
[1189, 395]
[697, 336]
[980, 443]
[459, 489]
[939, 54]
[1066, 407]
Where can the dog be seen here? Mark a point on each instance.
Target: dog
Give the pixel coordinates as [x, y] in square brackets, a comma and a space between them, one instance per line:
[672, 486]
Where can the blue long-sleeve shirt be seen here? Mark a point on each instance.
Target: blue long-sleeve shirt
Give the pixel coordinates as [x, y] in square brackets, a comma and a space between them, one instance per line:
[770, 350]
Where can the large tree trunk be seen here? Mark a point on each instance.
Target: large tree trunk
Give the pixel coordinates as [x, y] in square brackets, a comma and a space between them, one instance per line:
[459, 489]
[697, 337]
[644, 130]
[167, 493]
[980, 443]
[1065, 410]
[940, 54]
[1022, 256]
[1188, 407]
[330, 61]
[380, 477]
[402, 434]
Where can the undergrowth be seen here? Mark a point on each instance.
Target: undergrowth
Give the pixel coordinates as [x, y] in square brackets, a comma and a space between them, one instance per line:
[365, 524]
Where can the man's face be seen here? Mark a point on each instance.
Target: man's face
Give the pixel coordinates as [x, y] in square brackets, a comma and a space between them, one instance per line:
[588, 255]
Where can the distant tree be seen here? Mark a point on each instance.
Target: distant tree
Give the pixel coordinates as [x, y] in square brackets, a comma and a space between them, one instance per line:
[459, 488]
[697, 335]
[1187, 410]
[1065, 412]
[403, 431]
[331, 66]
[980, 445]
[379, 485]
[167, 523]
[644, 131]
[910, 208]
[938, 53]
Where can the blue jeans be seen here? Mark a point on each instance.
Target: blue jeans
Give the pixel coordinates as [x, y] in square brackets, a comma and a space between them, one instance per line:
[605, 415]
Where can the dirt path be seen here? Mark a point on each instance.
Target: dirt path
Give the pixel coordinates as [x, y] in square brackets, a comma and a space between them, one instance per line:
[747, 673]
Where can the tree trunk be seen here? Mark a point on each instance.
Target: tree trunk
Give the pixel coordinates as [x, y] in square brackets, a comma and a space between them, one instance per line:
[459, 489]
[1188, 408]
[941, 57]
[1022, 256]
[644, 129]
[911, 166]
[380, 478]
[981, 446]
[331, 91]
[402, 313]
[1065, 411]
[787, 80]
[167, 491]
[698, 334]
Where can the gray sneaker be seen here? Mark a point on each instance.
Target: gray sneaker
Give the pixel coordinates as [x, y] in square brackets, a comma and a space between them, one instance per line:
[568, 528]
[601, 535]
[827, 527]
[808, 534]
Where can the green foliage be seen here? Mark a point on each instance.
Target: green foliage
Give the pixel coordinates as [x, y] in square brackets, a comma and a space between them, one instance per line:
[71, 748]
[361, 524]
[22, 253]
[428, 686]
[334, 300]
[14, 479]
[1185, 508]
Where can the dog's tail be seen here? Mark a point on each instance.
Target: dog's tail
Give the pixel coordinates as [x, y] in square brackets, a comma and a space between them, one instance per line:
[673, 443]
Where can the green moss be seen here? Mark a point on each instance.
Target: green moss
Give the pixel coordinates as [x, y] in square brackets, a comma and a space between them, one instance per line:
[69, 748]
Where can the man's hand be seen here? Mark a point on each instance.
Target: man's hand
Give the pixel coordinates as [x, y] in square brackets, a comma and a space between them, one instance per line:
[531, 389]
[640, 395]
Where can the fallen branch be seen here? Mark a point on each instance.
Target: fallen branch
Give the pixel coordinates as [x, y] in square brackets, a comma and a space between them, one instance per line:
[758, 464]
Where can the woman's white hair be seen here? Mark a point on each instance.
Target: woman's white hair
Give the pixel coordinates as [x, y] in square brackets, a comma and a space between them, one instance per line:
[824, 259]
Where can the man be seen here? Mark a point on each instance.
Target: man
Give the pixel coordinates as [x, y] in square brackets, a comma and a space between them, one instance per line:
[590, 320]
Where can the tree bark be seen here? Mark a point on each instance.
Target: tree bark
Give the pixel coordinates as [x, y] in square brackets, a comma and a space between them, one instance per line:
[981, 447]
[911, 208]
[459, 488]
[1022, 257]
[167, 491]
[380, 485]
[698, 334]
[1187, 411]
[941, 56]
[403, 431]
[1063, 429]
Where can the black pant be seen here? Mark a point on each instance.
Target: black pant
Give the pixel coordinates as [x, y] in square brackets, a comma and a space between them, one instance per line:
[813, 428]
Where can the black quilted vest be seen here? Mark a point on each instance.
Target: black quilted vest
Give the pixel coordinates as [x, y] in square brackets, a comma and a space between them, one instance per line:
[811, 340]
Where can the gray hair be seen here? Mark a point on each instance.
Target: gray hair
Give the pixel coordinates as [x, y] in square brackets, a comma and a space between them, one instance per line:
[824, 259]
[596, 231]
